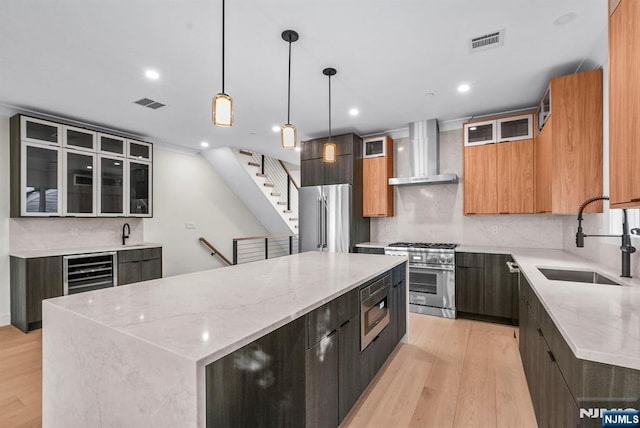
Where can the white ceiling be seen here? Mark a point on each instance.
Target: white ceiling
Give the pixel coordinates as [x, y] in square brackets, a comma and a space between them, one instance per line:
[85, 59]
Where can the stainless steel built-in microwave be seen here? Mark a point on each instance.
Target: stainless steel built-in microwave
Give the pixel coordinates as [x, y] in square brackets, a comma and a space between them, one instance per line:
[374, 147]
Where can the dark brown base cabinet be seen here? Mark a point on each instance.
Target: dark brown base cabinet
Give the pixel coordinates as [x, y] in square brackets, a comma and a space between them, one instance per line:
[139, 265]
[309, 372]
[485, 287]
[32, 281]
[561, 384]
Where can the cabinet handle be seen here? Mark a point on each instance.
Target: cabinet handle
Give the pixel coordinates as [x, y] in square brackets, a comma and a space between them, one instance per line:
[540, 333]
[504, 212]
[345, 323]
[551, 356]
[332, 333]
[375, 338]
[635, 200]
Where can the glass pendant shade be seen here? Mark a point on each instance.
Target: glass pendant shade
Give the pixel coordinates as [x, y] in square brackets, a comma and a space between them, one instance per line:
[329, 152]
[223, 110]
[289, 136]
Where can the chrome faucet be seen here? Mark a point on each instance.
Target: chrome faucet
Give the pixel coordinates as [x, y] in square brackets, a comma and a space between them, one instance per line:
[125, 235]
[626, 248]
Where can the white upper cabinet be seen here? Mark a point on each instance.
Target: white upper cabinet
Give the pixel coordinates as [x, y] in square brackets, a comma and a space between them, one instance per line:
[515, 128]
[478, 133]
[40, 131]
[78, 138]
[139, 150]
[112, 145]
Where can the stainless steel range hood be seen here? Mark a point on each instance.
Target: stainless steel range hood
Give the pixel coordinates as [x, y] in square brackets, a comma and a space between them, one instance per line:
[424, 156]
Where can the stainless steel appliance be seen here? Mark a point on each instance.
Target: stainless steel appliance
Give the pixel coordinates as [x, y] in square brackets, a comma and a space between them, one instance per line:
[374, 310]
[325, 218]
[432, 278]
[86, 272]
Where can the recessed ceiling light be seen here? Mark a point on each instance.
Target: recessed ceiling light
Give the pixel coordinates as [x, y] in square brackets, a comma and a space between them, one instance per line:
[565, 19]
[204, 144]
[298, 149]
[354, 112]
[464, 87]
[152, 74]
[275, 128]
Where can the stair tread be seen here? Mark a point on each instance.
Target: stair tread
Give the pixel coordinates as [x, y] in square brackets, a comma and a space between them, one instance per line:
[275, 194]
[259, 174]
[246, 152]
[253, 164]
[293, 218]
[281, 203]
[268, 185]
[287, 211]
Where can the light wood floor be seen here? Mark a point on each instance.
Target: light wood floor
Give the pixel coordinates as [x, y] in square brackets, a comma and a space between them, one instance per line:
[452, 373]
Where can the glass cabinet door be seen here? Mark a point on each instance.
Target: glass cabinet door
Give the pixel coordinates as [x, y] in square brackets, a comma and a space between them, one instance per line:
[79, 138]
[515, 128]
[41, 181]
[139, 189]
[40, 131]
[477, 133]
[139, 150]
[80, 184]
[111, 186]
[110, 144]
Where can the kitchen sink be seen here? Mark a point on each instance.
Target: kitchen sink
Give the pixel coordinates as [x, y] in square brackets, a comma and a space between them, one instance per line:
[590, 277]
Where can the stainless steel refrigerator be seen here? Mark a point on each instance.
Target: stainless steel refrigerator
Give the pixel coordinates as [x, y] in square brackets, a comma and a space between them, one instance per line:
[326, 218]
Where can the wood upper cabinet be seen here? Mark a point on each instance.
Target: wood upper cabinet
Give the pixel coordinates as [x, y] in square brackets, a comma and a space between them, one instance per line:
[624, 108]
[569, 147]
[480, 180]
[515, 177]
[377, 196]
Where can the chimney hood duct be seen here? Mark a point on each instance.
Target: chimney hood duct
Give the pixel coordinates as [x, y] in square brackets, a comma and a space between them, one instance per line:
[424, 156]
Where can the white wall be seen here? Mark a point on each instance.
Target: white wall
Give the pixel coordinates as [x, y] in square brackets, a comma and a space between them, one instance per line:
[434, 213]
[4, 221]
[188, 190]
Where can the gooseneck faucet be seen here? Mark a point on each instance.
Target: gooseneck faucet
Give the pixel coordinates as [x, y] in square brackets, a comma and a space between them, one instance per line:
[626, 248]
[126, 231]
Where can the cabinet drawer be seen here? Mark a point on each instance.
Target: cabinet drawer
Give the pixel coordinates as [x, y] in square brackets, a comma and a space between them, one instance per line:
[470, 260]
[139, 255]
[321, 322]
[348, 306]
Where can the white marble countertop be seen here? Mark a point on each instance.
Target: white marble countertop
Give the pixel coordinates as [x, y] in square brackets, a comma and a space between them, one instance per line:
[206, 315]
[51, 252]
[599, 322]
[373, 244]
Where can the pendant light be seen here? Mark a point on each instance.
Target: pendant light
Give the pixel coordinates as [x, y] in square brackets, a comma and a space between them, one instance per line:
[329, 148]
[222, 110]
[288, 132]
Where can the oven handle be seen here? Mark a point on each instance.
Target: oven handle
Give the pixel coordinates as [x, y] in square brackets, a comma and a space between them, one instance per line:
[375, 298]
[432, 268]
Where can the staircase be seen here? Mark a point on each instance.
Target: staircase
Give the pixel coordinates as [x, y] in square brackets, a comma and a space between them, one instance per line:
[262, 183]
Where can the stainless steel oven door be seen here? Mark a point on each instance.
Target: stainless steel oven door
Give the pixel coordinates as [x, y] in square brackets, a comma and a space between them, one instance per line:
[432, 286]
[374, 311]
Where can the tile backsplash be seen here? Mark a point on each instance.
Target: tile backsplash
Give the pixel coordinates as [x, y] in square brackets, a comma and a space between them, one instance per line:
[47, 233]
[435, 212]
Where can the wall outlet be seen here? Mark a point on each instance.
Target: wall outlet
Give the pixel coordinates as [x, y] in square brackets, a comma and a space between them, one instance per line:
[190, 225]
[74, 231]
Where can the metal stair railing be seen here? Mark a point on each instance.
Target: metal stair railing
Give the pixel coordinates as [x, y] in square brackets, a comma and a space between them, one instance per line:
[214, 251]
[283, 183]
[255, 248]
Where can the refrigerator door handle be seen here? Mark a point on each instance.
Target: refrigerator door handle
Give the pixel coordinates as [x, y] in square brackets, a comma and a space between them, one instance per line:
[319, 212]
[326, 214]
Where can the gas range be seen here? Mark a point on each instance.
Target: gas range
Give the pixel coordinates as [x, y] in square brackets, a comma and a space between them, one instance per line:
[424, 253]
[431, 276]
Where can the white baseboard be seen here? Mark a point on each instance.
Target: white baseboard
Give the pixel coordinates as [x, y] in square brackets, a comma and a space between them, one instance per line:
[5, 319]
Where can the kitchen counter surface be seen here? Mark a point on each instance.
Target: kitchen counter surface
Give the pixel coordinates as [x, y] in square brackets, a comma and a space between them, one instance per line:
[135, 355]
[30, 254]
[373, 244]
[599, 322]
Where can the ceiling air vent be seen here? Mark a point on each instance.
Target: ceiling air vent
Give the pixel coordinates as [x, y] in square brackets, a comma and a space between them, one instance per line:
[146, 102]
[487, 41]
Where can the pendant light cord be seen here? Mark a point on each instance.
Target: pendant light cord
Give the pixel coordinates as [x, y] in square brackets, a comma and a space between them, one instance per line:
[329, 108]
[289, 87]
[223, 46]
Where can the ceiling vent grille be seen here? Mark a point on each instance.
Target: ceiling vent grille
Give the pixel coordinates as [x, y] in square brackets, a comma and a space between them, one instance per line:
[487, 41]
[146, 102]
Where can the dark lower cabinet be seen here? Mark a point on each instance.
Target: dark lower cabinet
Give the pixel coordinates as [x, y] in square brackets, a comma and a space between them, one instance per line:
[322, 383]
[32, 281]
[484, 286]
[309, 372]
[561, 384]
[139, 265]
[349, 387]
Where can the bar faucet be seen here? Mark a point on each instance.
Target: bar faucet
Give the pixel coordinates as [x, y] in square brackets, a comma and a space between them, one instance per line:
[125, 235]
[626, 248]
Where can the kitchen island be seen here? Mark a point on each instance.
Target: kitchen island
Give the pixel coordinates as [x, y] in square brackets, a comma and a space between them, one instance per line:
[151, 354]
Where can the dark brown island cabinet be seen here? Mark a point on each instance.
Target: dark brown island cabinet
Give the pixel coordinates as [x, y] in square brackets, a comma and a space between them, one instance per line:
[485, 288]
[308, 373]
[567, 391]
[33, 280]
